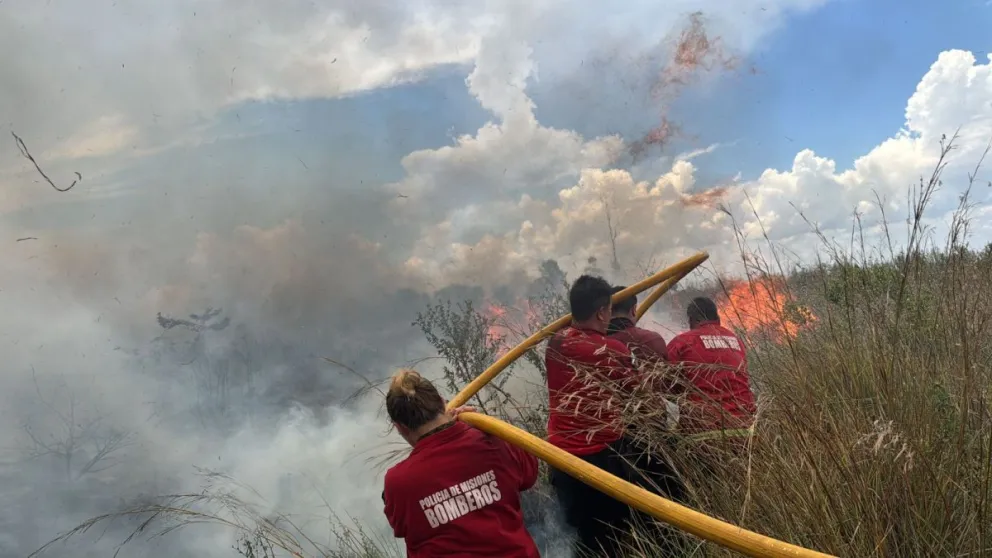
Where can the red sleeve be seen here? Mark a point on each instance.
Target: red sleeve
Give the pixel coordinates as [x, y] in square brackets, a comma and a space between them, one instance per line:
[615, 358]
[677, 351]
[653, 350]
[524, 464]
[648, 345]
[657, 345]
[393, 514]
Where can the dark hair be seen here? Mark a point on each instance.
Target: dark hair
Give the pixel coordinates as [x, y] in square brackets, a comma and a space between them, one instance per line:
[702, 309]
[625, 305]
[587, 296]
[412, 400]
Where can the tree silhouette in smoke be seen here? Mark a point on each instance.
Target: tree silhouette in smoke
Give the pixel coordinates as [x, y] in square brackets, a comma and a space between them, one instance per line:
[79, 439]
[223, 383]
[197, 322]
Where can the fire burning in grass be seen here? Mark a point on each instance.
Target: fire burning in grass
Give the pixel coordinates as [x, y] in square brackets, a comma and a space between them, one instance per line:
[507, 325]
[764, 306]
[496, 332]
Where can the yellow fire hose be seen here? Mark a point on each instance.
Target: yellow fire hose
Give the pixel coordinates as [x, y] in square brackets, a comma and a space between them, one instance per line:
[703, 526]
[644, 306]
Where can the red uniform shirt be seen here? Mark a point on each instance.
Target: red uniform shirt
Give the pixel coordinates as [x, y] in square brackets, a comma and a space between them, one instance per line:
[717, 386]
[644, 344]
[458, 494]
[583, 416]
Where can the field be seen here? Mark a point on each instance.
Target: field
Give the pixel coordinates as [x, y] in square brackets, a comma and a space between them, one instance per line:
[872, 368]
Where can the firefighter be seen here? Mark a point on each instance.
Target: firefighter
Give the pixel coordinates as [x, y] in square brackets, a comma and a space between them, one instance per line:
[646, 346]
[718, 402]
[654, 470]
[458, 492]
[585, 368]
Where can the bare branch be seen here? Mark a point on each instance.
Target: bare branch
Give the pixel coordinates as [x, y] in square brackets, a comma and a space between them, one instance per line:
[77, 436]
[27, 155]
[613, 227]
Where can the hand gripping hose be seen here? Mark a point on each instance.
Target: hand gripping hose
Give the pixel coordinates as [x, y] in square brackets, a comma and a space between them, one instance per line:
[701, 525]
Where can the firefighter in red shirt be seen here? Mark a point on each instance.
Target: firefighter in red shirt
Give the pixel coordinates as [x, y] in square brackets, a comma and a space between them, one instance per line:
[646, 345]
[458, 492]
[718, 403]
[585, 370]
[653, 469]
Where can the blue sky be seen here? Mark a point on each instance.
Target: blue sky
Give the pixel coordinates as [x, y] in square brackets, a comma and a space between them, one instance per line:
[835, 80]
[838, 78]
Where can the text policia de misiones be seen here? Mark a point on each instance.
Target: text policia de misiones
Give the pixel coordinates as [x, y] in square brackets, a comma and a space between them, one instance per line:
[459, 499]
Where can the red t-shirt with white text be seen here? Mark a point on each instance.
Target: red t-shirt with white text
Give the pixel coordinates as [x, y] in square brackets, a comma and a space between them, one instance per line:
[458, 494]
[716, 380]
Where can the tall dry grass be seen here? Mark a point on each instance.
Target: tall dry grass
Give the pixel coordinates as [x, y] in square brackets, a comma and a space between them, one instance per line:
[874, 436]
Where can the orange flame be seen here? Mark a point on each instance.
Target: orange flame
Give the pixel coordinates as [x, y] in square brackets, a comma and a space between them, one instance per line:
[495, 314]
[764, 306]
[508, 324]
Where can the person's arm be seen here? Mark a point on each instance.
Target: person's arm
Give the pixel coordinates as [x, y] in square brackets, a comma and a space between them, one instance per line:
[524, 464]
[655, 344]
[393, 514]
[616, 359]
[677, 351]
[652, 353]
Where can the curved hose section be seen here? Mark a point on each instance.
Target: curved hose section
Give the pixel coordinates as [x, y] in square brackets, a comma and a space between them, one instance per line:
[675, 272]
[724, 534]
[656, 294]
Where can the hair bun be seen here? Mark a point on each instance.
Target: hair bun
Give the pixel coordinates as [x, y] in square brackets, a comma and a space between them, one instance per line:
[412, 400]
[405, 382]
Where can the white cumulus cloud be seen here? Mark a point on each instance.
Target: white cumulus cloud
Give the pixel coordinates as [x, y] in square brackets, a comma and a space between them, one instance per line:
[673, 215]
